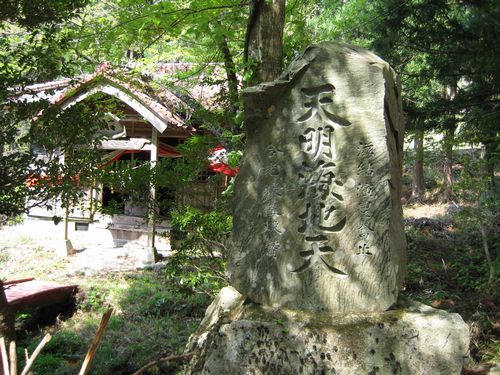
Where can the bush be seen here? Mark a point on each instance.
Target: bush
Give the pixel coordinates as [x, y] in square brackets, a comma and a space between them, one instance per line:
[198, 233]
[199, 241]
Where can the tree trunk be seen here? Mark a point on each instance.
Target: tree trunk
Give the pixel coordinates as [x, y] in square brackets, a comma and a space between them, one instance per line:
[450, 93]
[417, 186]
[232, 83]
[489, 260]
[232, 79]
[448, 164]
[264, 40]
[7, 328]
[490, 163]
[485, 225]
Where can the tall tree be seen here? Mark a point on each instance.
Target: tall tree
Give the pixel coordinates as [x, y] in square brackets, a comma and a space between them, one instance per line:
[263, 52]
[31, 50]
[449, 129]
[432, 44]
[418, 181]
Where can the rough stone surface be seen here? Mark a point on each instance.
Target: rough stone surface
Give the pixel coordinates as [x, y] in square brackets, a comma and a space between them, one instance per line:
[317, 214]
[251, 339]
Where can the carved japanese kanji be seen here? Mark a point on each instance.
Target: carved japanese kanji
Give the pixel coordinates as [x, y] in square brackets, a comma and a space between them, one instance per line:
[316, 213]
[320, 187]
[320, 97]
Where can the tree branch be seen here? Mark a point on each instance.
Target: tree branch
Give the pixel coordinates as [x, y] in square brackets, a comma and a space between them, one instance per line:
[188, 11]
[181, 357]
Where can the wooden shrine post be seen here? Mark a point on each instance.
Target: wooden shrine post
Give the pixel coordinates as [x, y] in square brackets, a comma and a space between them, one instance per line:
[152, 255]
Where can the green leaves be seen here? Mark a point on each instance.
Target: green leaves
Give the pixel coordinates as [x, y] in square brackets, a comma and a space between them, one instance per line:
[234, 157]
[201, 233]
[35, 13]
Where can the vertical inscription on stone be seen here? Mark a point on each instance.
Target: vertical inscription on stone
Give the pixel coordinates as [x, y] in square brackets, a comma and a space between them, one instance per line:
[317, 224]
[272, 228]
[320, 187]
[366, 196]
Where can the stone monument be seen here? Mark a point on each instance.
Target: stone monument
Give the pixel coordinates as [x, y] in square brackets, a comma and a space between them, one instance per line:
[319, 220]
[318, 253]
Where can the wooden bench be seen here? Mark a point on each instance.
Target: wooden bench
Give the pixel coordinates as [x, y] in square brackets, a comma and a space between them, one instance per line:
[27, 294]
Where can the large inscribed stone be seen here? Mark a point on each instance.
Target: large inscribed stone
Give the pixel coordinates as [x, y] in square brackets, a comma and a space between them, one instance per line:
[317, 213]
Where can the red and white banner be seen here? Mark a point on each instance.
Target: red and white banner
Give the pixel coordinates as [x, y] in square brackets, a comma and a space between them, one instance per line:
[219, 162]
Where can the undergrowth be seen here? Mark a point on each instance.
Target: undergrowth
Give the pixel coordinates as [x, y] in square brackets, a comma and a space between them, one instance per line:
[447, 270]
[153, 317]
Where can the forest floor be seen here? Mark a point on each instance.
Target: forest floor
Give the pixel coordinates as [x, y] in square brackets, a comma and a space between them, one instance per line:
[153, 314]
[447, 269]
[155, 311]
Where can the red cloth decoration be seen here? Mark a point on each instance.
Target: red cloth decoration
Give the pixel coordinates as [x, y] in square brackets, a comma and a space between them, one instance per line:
[219, 163]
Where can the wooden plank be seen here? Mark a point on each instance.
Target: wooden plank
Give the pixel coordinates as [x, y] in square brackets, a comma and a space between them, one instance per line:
[18, 281]
[4, 357]
[34, 293]
[13, 358]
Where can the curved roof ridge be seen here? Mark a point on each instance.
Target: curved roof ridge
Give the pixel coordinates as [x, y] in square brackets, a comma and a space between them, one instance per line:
[107, 81]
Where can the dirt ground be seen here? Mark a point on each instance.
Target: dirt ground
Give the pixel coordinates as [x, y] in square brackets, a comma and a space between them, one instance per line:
[26, 251]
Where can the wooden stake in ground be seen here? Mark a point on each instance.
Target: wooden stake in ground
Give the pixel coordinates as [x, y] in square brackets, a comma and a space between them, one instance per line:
[13, 358]
[3, 356]
[37, 351]
[95, 343]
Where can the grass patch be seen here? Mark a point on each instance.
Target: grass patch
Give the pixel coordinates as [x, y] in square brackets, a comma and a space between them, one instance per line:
[154, 311]
[448, 270]
[152, 318]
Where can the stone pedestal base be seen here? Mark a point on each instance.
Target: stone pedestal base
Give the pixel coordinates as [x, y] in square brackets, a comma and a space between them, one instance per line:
[244, 338]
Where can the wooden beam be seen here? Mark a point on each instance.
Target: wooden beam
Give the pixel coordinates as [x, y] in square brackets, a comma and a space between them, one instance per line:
[152, 255]
[13, 358]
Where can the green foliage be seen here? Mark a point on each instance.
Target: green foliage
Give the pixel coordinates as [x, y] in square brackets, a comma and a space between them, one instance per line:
[234, 157]
[159, 300]
[348, 21]
[16, 220]
[199, 241]
[70, 135]
[51, 364]
[56, 355]
[432, 45]
[64, 343]
[444, 264]
[475, 275]
[56, 133]
[196, 275]
[476, 187]
[94, 300]
[34, 13]
[204, 233]
[153, 316]
[131, 180]
[160, 31]
[33, 48]
[181, 172]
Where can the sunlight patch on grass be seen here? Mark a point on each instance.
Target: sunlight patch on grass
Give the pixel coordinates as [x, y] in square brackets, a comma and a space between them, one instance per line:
[432, 211]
